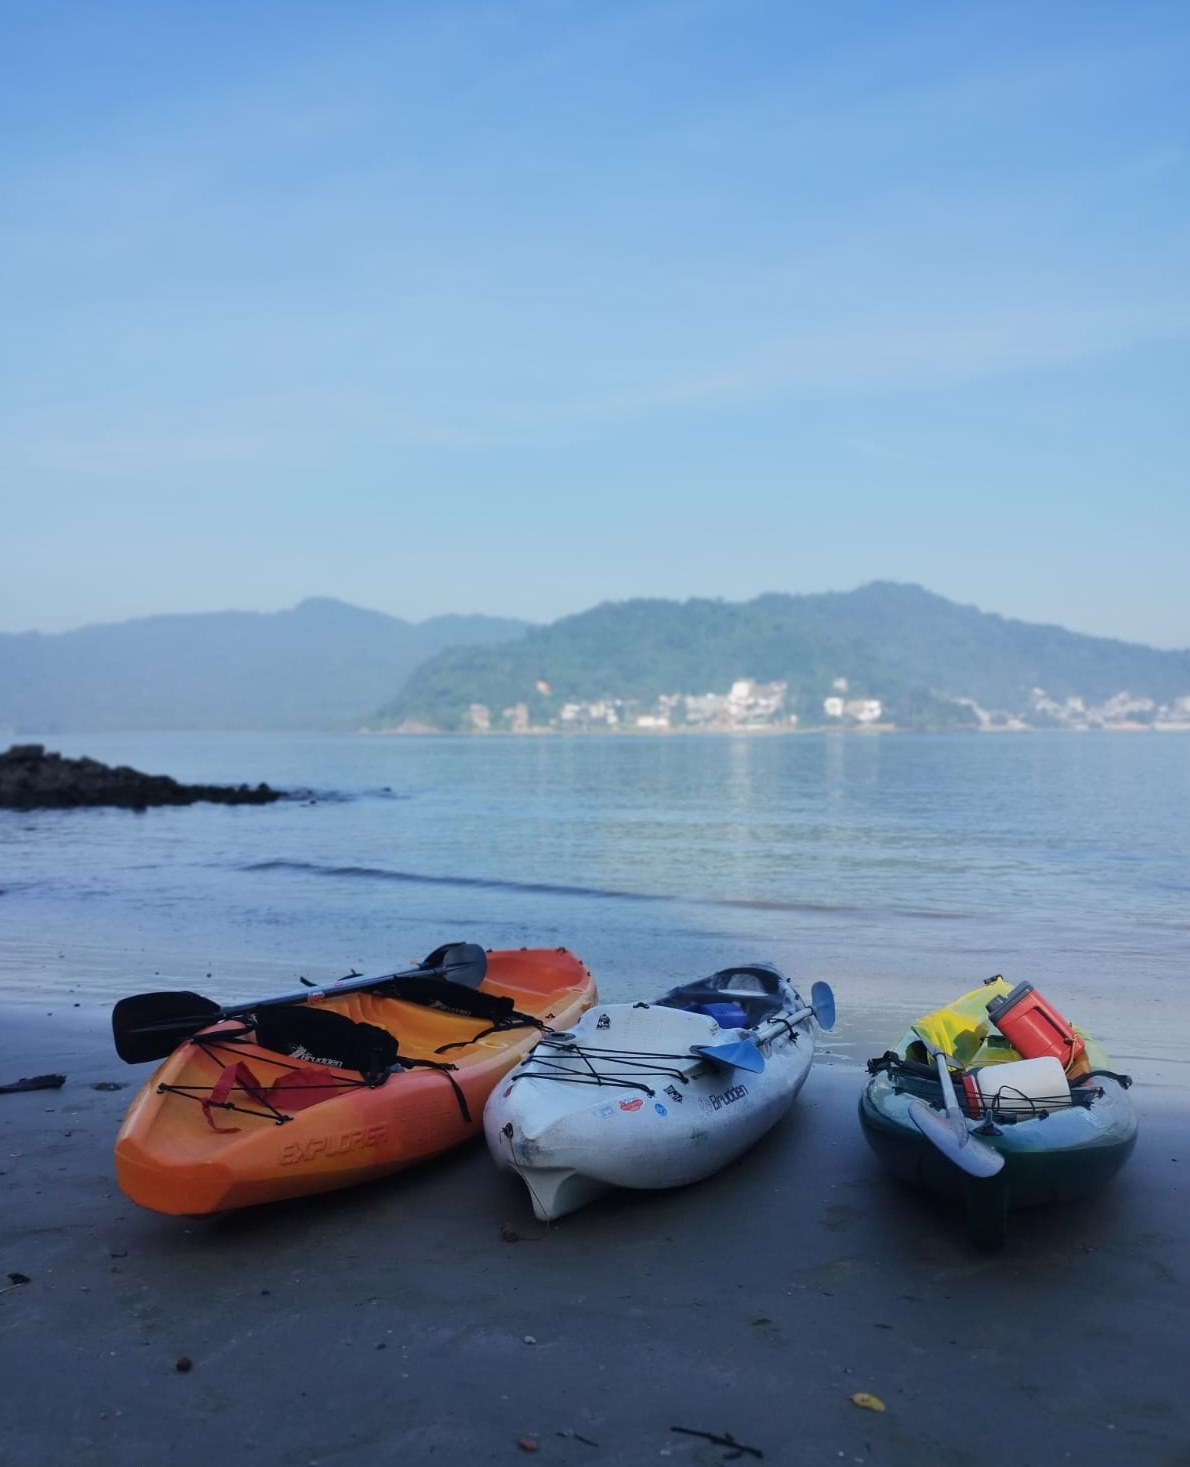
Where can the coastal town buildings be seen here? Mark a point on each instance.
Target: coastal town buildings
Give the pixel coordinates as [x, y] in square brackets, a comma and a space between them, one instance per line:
[752, 706]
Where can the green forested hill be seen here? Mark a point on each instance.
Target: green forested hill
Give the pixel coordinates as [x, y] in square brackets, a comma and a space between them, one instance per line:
[886, 653]
[928, 662]
[993, 659]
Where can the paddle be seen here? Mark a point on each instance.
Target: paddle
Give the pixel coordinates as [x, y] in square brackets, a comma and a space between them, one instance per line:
[822, 1005]
[148, 1026]
[949, 1133]
[743, 1054]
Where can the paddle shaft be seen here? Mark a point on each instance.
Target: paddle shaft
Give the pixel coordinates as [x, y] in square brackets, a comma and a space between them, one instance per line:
[723, 1054]
[954, 1112]
[150, 1025]
[809, 1012]
[822, 1009]
[328, 990]
[461, 962]
[949, 1099]
[958, 1145]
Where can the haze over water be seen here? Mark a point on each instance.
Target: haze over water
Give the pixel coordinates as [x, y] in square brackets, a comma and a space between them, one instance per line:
[902, 869]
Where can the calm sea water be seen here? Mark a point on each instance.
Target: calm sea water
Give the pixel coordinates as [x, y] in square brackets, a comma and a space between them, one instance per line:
[903, 869]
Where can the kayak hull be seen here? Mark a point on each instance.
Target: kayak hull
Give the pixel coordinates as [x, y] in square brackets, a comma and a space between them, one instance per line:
[224, 1123]
[1064, 1152]
[646, 1097]
[1065, 1157]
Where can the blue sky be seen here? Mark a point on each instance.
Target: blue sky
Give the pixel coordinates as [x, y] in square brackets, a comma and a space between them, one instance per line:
[520, 307]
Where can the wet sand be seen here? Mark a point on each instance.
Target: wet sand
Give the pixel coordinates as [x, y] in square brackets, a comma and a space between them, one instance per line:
[429, 1318]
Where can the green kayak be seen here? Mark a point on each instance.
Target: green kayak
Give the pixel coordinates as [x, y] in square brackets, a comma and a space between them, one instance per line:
[958, 1109]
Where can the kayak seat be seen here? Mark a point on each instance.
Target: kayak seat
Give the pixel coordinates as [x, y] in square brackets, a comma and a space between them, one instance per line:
[323, 1037]
[755, 992]
[727, 1015]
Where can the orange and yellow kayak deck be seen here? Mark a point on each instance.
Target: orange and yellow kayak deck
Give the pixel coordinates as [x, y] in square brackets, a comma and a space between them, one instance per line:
[225, 1123]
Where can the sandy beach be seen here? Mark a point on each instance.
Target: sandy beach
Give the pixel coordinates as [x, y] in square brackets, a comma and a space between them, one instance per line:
[430, 1318]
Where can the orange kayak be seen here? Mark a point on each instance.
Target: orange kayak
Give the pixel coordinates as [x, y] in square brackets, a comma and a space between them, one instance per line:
[234, 1116]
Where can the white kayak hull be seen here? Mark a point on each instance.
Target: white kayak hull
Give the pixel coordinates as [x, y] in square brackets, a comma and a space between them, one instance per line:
[649, 1096]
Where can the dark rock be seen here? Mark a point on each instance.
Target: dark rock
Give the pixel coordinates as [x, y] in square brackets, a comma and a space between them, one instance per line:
[31, 779]
[34, 1082]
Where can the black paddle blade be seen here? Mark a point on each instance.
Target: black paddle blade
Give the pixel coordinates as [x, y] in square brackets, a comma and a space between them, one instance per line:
[464, 963]
[148, 1026]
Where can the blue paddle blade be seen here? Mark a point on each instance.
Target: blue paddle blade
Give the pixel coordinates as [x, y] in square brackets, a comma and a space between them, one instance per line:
[823, 1001]
[741, 1054]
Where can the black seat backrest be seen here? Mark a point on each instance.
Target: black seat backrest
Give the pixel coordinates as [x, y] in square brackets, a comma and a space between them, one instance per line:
[453, 998]
[759, 1003]
[326, 1038]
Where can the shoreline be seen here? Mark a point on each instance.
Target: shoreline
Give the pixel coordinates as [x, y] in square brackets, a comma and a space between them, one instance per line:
[80, 985]
[429, 1314]
[763, 731]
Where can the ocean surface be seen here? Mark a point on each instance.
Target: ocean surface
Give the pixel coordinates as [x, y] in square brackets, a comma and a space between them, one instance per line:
[903, 869]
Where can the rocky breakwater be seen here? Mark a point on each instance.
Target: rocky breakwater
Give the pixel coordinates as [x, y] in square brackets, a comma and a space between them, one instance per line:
[32, 779]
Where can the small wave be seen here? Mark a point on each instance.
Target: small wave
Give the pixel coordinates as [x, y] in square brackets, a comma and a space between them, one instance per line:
[343, 797]
[599, 893]
[487, 883]
[930, 914]
[777, 904]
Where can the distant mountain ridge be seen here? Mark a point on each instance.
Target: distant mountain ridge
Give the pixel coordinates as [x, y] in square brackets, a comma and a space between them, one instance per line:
[887, 653]
[322, 665]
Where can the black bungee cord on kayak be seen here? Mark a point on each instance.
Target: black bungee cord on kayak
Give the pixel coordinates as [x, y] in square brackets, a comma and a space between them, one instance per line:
[456, 998]
[1123, 1081]
[546, 1066]
[237, 1075]
[225, 1050]
[1006, 1104]
[513, 1020]
[318, 1036]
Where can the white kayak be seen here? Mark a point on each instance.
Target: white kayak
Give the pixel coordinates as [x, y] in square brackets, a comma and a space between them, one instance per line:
[653, 1095]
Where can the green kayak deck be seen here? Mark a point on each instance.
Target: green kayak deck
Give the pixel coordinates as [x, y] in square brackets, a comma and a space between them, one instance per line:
[1056, 1148]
